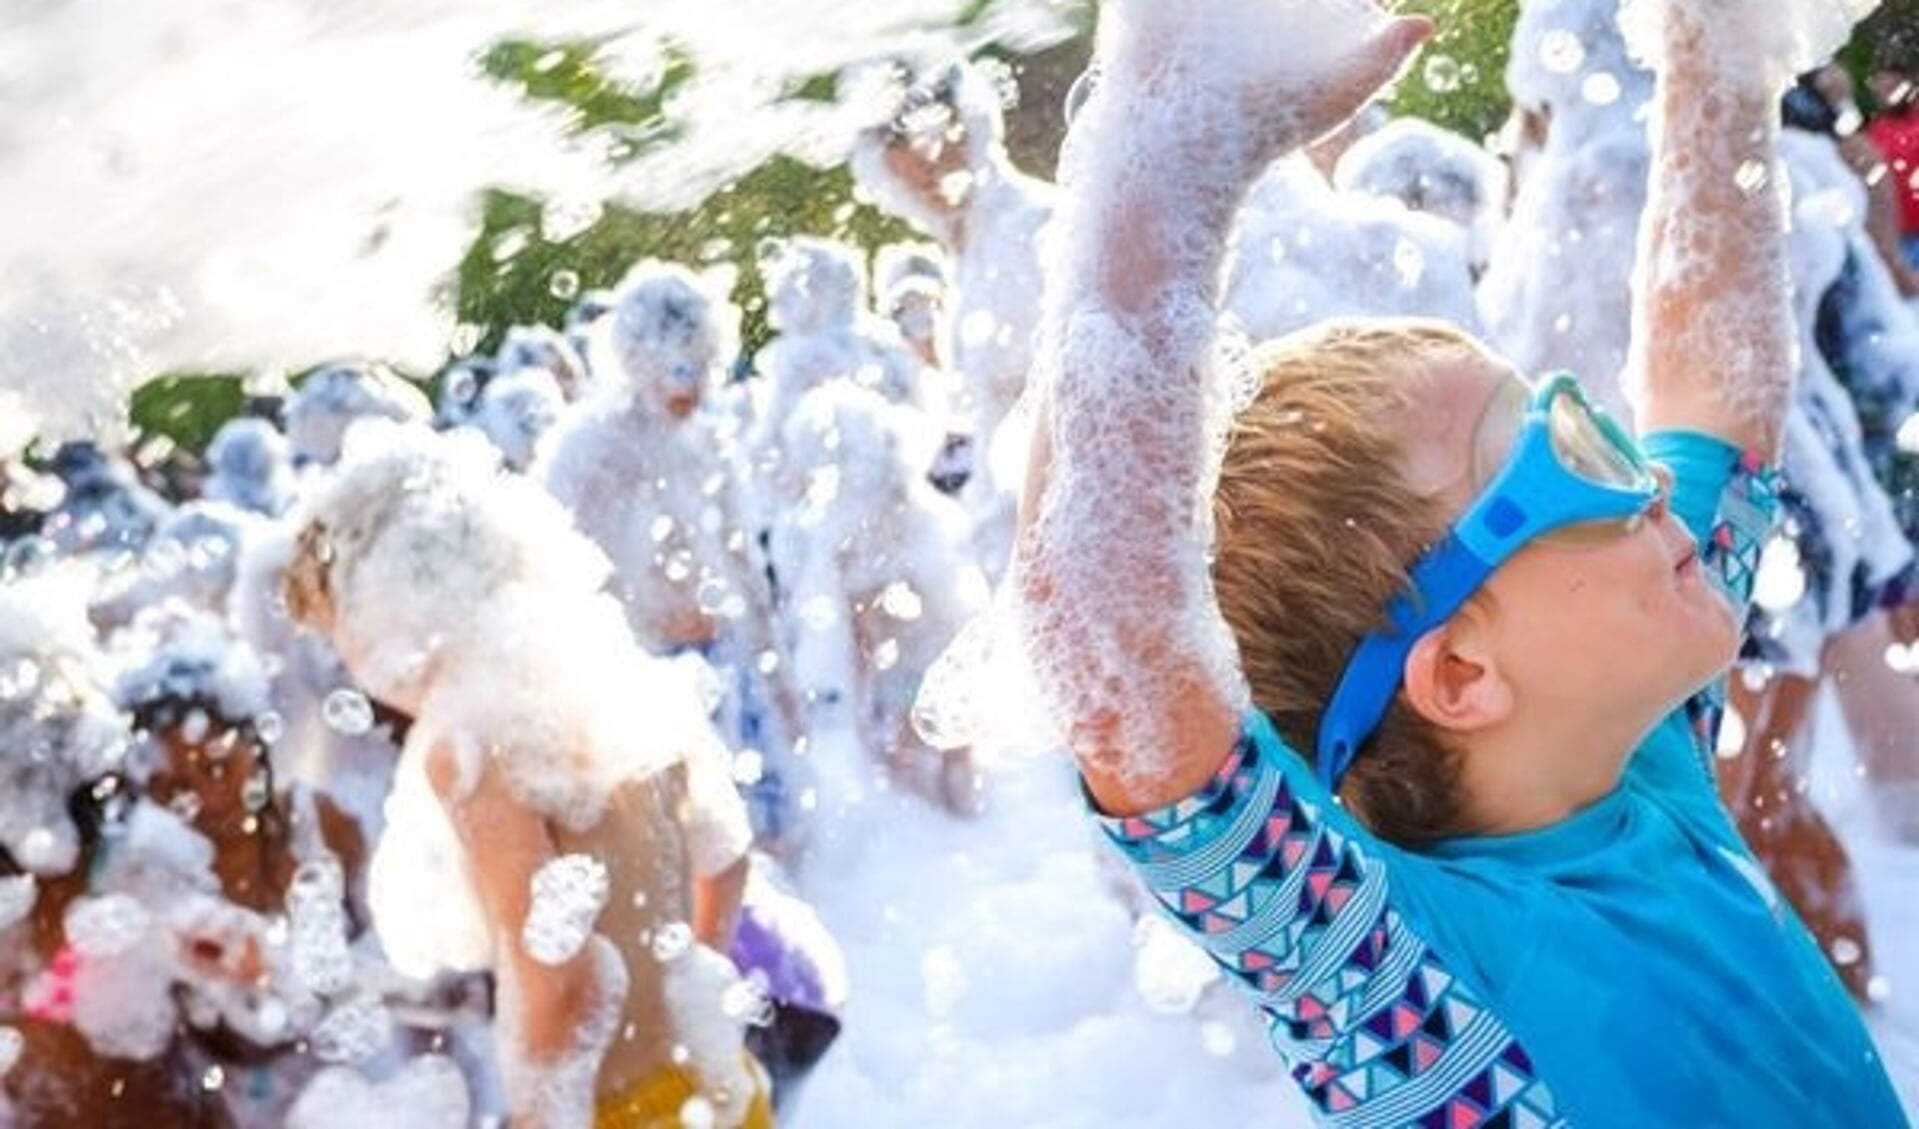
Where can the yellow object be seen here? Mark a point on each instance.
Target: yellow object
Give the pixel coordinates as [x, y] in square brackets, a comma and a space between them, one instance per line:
[656, 1102]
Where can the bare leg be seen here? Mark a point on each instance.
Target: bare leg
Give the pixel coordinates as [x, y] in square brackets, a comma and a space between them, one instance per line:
[1763, 786]
[1881, 708]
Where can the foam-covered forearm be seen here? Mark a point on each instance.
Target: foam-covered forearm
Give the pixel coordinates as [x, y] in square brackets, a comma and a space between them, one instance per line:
[1713, 343]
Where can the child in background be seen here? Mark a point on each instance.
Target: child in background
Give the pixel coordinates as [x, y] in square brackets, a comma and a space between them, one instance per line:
[559, 787]
[1397, 690]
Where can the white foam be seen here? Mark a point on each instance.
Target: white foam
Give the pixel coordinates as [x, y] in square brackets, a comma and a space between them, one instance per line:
[559, 1090]
[428, 1092]
[567, 896]
[1790, 36]
[17, 893]
[995, 232]
[58, 728]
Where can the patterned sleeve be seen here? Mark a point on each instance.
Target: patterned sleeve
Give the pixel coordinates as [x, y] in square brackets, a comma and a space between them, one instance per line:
[1291, 899]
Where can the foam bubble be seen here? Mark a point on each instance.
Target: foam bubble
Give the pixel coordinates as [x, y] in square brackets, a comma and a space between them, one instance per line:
[428, 1092]
[567, 896]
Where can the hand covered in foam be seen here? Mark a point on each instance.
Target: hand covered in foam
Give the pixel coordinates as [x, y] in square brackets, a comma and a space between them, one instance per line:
[1764, 40]
[1282, 72]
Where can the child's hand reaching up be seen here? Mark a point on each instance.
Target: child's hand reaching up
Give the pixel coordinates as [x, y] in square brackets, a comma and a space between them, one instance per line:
[1261, 76]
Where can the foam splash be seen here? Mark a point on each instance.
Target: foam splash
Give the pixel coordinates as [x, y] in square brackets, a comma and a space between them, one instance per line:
[247, 203]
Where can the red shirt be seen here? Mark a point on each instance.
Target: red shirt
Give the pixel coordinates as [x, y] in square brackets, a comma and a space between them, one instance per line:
[1897, 136]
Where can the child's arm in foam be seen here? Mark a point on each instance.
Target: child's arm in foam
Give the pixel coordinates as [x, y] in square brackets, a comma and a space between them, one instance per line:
[1713, 338]
[506, 844]
[1111, 565]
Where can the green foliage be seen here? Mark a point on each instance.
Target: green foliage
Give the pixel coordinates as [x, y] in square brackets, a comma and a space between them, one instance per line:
[568, 74]
[539, 279]
[1460, 80]
[186, 409]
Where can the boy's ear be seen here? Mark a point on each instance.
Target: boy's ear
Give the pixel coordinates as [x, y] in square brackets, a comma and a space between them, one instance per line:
[1455, 684]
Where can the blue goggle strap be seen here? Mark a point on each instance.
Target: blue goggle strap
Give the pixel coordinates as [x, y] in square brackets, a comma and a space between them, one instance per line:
[1441, 583]
[1534, 494]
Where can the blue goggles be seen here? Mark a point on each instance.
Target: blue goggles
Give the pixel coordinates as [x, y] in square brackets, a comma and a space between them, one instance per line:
[1570, 464]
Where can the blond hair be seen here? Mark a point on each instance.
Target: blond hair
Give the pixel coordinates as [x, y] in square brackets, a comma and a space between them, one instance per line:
[1316, 529]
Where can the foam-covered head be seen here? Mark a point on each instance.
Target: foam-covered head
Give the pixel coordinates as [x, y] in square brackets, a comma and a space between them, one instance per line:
[941, 126]
[913, 291]
[460, 387]
[898, 265]
[175, 659]
[516, 409]
[868, 446]
[105, 505]
[319, 413]
[58, 726]
[537, 346]
[1427, 168]
[250, 465]
[667, 337]
[1569, 59]
[812, 284]
[415, 534]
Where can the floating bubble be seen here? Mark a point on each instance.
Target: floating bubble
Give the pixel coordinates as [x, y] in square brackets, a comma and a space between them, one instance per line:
[900, 601]
[1218, 1039]
[269, 727]
[1878, 989]
[696, 1113]
[348, 712]
[564, 285]
[1601, 88]
[1781, 579]
[1846, 952]
[1442, 74]
[712, 596]
[671, 941]
[1752, 177]
[568, 894]
[746, 1001]
[1561, 52]
[1732, 735]
[886, 655]
[213, 1079]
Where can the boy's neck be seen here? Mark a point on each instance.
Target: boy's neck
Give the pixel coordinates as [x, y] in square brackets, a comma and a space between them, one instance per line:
[1536, 771]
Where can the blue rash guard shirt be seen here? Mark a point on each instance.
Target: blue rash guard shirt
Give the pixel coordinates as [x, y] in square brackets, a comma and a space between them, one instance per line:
[1628, 966]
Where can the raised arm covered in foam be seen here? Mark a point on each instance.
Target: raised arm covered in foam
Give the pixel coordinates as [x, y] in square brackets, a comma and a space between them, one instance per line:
[1713, 341]
[1193, 101]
